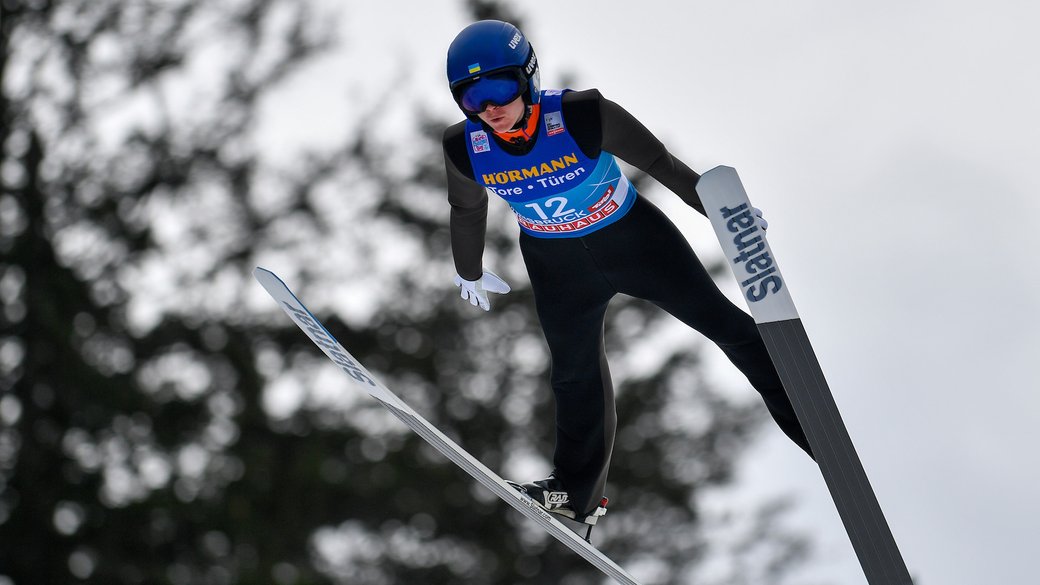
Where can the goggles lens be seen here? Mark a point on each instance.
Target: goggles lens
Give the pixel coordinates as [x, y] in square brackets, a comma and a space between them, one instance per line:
[498, 89]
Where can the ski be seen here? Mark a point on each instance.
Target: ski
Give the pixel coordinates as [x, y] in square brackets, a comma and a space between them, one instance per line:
[364, 380]
[767, 294]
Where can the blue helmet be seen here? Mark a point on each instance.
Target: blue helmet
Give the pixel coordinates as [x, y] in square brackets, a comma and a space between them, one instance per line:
[491, 61]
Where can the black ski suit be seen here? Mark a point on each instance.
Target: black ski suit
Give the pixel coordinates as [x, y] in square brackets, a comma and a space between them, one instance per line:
[573, 278]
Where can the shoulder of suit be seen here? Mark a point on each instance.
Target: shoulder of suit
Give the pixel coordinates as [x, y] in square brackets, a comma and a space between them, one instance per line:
[453, 132]
[583, 96]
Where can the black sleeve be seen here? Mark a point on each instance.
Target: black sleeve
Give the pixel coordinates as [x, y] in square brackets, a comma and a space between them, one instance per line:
[600, 124]
[469, 205]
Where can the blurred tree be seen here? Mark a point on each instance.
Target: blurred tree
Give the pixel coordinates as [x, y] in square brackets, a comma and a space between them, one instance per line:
[162, 422]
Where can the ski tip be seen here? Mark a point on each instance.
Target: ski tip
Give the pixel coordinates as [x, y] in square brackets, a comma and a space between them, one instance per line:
[266, 278]
[720, 182]
[719, 171]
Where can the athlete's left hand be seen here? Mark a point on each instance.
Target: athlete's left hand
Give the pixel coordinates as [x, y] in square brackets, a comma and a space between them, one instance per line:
[762, 223]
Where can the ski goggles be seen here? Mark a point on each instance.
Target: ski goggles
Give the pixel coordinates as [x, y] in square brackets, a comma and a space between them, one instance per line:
[497, 89]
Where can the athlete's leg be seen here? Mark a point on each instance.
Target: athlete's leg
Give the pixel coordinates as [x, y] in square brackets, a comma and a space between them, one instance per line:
[658, 264]
[571, 298]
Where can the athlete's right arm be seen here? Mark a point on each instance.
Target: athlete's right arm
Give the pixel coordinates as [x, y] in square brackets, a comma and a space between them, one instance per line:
[469, 205]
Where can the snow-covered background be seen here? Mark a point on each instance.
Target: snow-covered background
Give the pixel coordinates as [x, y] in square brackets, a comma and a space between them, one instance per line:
[893, 148]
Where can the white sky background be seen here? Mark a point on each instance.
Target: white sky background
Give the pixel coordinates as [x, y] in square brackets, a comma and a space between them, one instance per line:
[893, 148]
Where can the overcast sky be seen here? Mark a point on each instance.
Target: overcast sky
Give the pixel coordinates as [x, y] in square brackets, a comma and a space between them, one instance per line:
[893, 147]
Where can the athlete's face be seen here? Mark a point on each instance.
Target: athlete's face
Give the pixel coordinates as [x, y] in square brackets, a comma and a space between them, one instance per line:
[503, 118]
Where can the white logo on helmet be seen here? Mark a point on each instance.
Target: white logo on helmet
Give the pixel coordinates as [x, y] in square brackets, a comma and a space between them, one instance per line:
[531, 64]
[515, 41]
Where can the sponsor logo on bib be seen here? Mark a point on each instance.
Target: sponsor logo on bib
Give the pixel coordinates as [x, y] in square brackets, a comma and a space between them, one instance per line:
[554, 123]
[479, 140]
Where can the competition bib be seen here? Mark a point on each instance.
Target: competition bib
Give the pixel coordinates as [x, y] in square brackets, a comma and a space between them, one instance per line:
[554, 190]
[591, 205]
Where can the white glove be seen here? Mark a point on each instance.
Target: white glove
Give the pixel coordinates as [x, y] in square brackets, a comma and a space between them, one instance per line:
[762, 223]
[475, 291]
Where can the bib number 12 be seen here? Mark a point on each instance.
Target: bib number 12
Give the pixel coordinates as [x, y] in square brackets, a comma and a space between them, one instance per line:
[559, 203]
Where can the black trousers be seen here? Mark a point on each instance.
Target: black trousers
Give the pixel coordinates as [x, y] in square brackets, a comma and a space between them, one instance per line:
[643, 255]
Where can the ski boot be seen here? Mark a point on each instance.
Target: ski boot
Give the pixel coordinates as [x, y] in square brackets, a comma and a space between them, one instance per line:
[550, 495]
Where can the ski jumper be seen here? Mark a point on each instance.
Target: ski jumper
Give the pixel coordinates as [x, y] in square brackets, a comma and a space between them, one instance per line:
[586, 235]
